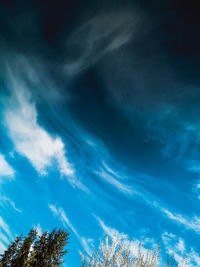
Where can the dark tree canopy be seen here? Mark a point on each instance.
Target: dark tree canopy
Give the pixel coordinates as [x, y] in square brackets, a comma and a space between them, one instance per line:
[33, 250]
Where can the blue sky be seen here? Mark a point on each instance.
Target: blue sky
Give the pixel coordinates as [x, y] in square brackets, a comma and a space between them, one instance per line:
[100, 126]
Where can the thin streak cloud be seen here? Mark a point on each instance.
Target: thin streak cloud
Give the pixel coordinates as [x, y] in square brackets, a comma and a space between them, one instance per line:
[5, 169]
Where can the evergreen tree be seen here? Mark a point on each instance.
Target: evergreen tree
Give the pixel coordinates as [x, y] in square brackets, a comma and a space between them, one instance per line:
[46, 250]
[9, 254]
[21, 257]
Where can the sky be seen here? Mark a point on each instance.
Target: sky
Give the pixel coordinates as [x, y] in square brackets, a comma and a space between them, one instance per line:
[99, 123]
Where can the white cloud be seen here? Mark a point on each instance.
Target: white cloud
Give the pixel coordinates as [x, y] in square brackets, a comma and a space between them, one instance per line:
[111, 231]
[181, 246]
[5, 169]
[133, 244]
[60, 213]
[12, 203]
[5, 227]
[111, 171]
[112, 180]
[176, 247]
[103, 167]
[30, 139]
[97, 159]
[2, 247]
[5, 235]
[87, 243]
[172, 249]
[4, 238]
[190, 223]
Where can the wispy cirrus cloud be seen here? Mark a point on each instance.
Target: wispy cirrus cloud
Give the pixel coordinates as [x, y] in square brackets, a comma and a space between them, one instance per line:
[102, 164]
[176, 247]
[2, 247]
[5, 227]
[181, 144]
[111, 231]
[30, 139]
[59, 212]
[112, 179]
[5, 169]
[116, 176]
[189, 223]
[5, 234]
[5, 199]
[102, 34]
[133, 243]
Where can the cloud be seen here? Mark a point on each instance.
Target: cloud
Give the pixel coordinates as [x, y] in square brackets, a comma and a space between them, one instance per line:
[5, 235]
[5, 227]
[113, 181]
[111, 231]
[87, 243]
[177, 248]
[5, 169]
[108, 169]
[8, 200]
[104, 167]
[189, 223]
[2, 247]
[102, 164]
[30, 139]
[174, 246]
[132, 243]
[4, 238]
[182, 144]
[59, 212]
[102, 34]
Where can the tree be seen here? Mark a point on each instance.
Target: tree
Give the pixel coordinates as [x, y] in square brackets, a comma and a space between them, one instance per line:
[110, 255]
[9, 254]
[21, 257]
[35, 250]
[118, 254]
[48, 250]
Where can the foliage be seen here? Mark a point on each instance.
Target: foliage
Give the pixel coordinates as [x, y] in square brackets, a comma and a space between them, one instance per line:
[35, 250]
[118, 254]
[47, 250]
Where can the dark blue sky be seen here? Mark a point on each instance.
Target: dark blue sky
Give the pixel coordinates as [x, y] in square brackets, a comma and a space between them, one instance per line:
[99, 108]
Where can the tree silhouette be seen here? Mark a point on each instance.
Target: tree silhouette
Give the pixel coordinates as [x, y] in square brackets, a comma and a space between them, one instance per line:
[9, 254]
[45, 250]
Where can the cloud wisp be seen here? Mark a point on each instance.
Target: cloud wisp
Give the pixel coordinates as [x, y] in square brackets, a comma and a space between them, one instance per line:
[60, 213]
[5, 199]
[5, 169]
[115, 176]
[5, 234]
[189, 223]
[173, 245]
[30, 139]
[100, 35]
[177, 248]
[132, 243]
